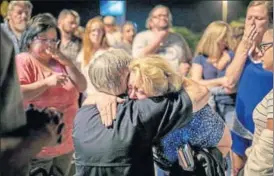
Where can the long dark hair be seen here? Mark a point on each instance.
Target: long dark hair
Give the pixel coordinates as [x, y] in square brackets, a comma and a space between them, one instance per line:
[38, 24]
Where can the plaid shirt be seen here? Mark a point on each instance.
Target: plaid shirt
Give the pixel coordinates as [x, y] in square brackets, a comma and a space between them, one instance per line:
[72, 49]
[12, 36]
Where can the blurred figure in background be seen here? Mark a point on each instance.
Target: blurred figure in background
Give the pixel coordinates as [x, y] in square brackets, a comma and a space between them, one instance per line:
[19, 13]
[214, 53]
[128, 34]
[94, 43]
[70, 46]
[113, 33]
[79, 32]
[238, 33]
[159, 40]
[49, 79]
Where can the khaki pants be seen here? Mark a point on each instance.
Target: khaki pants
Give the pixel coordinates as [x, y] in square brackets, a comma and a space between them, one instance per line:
[58, 166]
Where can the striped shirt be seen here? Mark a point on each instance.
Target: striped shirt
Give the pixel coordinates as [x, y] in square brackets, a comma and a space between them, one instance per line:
[262, 112]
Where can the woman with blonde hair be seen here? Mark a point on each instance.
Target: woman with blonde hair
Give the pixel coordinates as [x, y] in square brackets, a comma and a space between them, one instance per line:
[153, 76]
[214, 53]
[94, 43]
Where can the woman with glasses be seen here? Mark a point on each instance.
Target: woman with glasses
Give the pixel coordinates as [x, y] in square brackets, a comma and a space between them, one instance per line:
[48, 79]
[260, 154]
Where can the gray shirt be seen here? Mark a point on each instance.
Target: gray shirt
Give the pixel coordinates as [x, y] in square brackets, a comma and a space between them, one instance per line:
[174, 48]
[12, 36]
[11, 105]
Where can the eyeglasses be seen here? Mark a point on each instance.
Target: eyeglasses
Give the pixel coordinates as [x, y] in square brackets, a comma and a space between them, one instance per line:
[48, 41]
[160, 15]
[266, 46]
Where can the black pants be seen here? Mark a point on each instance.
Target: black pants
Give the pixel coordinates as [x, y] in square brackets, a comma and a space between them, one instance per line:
[58, 166]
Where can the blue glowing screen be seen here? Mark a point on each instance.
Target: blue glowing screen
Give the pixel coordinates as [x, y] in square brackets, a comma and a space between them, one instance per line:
[112, 8]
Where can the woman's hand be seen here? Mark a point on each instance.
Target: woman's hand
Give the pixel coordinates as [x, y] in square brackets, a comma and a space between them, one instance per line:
[106, 105]
[249, 37]
[58, 56]
[198, 94]
[56, 79]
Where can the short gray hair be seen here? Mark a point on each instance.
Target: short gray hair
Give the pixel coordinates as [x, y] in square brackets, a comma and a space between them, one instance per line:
[106, 69]
[65, 12]
[28, 4]
[153, 10]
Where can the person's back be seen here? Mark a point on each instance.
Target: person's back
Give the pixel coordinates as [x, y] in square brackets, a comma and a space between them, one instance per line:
[172, 49]
[126, 149]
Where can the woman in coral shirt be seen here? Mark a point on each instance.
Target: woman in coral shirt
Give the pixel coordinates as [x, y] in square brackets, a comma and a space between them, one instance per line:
[48, 79]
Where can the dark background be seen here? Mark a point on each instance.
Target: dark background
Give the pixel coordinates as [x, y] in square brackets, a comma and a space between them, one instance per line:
[193, 14]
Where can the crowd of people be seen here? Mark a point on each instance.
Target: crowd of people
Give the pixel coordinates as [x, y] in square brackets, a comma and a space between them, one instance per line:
[135, 103]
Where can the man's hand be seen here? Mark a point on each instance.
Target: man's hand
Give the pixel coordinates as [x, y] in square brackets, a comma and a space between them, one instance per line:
[106, 105]
[161, 35]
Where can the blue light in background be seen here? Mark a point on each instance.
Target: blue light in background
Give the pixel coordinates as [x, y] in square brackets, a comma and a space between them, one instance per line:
[112, 8]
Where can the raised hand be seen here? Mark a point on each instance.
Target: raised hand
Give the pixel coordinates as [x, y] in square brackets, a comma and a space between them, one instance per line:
[161, 35]
[249, 37]
[58, 56]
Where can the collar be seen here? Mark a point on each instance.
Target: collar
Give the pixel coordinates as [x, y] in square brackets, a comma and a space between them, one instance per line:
[253, 60]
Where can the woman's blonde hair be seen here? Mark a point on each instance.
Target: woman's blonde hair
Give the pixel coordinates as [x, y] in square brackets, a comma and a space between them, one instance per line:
[87, 44]
[214, 33]
[155, 75]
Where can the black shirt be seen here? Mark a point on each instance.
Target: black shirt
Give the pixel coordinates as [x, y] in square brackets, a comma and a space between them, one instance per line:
[126, 149]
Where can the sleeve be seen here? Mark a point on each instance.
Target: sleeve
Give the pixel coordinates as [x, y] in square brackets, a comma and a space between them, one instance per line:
[25, 70]
[259, 161]
[270, 105]
[207, 128]
[204, 130]
[198, 60]
[160, 115]
[139, 43]
[231, 56]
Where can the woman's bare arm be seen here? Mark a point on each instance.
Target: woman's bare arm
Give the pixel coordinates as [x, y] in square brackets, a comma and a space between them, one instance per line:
[196, 75]
[198, 93]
